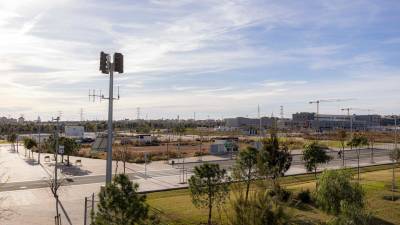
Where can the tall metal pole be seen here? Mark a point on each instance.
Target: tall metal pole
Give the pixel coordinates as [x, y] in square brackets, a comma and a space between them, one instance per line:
[85, 212]
[55, 185]
[259, 118]
[351, 124]
[318, 115]
[39, 150]
[395, 132]
[110, 124]
[394, 164]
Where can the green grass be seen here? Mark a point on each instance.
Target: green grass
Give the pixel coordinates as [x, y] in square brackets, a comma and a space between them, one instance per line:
[175, 207]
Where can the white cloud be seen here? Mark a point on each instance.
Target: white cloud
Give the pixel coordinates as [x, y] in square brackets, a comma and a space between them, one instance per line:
[50, 52]
[272, 83]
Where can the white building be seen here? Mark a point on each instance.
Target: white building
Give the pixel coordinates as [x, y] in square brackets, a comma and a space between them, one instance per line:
[74, 131]
[144, 138]
[223, 146]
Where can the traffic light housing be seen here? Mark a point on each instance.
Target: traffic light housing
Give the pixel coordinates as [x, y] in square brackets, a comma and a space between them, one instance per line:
[118, 62]
[104, 63]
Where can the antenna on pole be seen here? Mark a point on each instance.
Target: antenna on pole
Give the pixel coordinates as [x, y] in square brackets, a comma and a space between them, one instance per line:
[109, 67]
[93, 95]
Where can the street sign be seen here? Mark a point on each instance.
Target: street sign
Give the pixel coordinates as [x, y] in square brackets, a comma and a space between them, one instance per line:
[61, 149]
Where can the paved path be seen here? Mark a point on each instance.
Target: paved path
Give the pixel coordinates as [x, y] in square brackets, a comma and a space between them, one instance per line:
[136, 171]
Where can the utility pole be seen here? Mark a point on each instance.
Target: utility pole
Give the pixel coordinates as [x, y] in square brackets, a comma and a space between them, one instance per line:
[56, 184]
[260, 127]
[394, 164]
[180, 130]
[317, 115]
[351, 138]
[39, 130]
[108, 67]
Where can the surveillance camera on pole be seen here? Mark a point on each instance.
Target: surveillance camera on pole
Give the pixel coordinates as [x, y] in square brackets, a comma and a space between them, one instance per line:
[108, 67]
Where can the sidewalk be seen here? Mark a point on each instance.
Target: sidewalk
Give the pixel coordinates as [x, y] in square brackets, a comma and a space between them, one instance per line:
[16, 167]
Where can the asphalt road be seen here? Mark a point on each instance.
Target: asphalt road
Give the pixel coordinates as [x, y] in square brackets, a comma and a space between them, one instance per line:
[350, 156]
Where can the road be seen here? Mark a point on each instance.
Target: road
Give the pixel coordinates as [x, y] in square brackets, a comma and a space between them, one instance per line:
[350, 156]
[380, 155]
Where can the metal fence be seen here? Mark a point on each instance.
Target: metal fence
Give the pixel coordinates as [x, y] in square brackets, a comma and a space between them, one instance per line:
[89, 210]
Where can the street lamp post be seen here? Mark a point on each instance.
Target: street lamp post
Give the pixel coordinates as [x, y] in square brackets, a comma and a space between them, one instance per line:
[39, 128]
[393, 160]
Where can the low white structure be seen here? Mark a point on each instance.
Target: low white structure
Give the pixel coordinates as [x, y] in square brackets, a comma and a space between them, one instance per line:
[40, 137]
[223, 146]
[74, 131]
[144, 138]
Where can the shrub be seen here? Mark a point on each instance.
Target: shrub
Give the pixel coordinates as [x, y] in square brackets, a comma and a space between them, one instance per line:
[304, 196]
[281, 194]
[200, 153]
[335, 188]
[351, 214]
[259, 209]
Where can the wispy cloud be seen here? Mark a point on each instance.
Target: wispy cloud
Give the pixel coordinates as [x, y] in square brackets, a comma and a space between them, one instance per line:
[272, 83]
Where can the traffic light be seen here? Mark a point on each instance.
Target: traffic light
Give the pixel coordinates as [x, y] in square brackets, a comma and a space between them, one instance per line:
[118, 62]
[104, 63]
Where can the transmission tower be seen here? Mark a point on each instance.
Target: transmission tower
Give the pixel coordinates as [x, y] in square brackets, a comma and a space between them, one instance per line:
[138, 113]
[81, 114]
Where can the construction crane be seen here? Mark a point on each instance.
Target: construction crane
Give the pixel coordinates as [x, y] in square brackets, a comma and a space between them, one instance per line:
[325, 100]
[351, 117]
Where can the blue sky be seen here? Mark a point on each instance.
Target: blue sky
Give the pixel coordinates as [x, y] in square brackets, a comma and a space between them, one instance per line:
[216, 58]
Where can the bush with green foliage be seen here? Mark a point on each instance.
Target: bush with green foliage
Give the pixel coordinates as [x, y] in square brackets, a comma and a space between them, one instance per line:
[70, 146]
[259, 209]
[335, 188]
[281, 194]
[304, 196]
[120, 204]
[351, 215]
